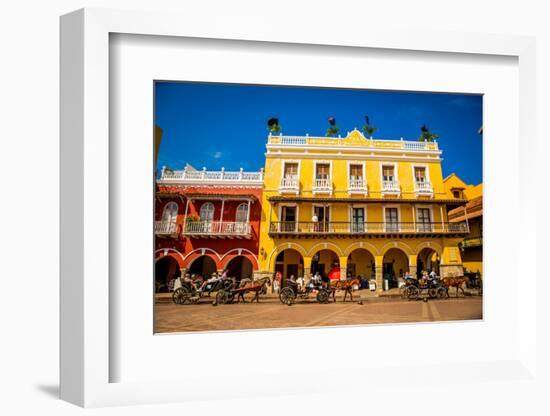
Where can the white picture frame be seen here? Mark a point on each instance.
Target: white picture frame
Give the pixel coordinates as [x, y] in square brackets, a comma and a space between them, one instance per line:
[85, 209]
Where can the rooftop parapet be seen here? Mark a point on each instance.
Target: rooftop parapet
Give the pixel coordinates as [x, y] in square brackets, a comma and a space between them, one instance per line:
[354, 138]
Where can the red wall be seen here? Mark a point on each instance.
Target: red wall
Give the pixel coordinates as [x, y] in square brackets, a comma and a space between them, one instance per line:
[220, 250]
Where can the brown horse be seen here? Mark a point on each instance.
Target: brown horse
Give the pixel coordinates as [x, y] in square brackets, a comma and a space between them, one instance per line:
[255, 286]
[345, 285]
[456, 282]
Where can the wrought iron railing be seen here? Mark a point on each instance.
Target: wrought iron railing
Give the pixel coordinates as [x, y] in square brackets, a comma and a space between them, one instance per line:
[358, 227]
[165, 227]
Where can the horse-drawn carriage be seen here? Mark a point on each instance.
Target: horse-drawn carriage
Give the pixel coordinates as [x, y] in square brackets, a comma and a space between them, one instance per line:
[228, 295]
[193, 291]
[293, 290]
[423, 288]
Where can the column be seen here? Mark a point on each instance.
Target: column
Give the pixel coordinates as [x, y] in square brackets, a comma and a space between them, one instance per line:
[343, 268]
[185, 215]
[379, 268]
[307, 267]
[413, 264]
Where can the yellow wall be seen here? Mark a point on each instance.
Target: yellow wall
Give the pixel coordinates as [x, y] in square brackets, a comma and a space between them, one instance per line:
[340, 211]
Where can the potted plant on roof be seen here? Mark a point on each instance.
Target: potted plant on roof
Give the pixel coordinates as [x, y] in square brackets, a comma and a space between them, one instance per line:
[333, 129]
[273, 125]
[426, 135]
[368, 129]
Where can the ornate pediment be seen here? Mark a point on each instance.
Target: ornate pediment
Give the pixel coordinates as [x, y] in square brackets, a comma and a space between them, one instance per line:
[355, 137]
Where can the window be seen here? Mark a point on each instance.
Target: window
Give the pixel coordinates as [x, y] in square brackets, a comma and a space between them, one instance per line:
[170, 212]
[423, 219]
[322, 171]
[357, 220]
[242, 213]
[288, 218]
[291, 170]
[356, 175]
[456, 194]
[387, 173]
[392, 220]
[207, 212]
[323, 217]
[420, 174]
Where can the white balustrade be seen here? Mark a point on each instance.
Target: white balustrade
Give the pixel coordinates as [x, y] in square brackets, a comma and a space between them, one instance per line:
[423, 187]
[322, 185]
[197, 176]
[289, 183]
[409, 145]
[217, 227]
[390, 186]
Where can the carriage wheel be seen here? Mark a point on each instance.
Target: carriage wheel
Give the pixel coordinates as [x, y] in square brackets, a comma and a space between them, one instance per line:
[287, 296]
[223, 297]
[442, 293]
[323, 296]
[413, 292]
[404, 292]
[181, 295]
[432, 292]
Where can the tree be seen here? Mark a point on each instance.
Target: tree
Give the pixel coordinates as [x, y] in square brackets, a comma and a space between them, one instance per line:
[426, 135]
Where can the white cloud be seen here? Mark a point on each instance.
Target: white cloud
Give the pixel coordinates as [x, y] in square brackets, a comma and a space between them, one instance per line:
[218, 155]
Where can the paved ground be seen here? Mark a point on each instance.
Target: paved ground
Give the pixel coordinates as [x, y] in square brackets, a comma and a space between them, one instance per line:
[270, 313]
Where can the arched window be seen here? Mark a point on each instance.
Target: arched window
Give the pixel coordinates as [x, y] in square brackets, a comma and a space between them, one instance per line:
[170, 212]
[207, 211]
[242, 213]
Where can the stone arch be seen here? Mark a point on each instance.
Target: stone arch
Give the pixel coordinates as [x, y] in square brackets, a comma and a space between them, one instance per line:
[325, 246]
[428, 244]
[198, 252]
[235, 252]
[172, 252]
[275, 252]
[361, 244]
[396, 244]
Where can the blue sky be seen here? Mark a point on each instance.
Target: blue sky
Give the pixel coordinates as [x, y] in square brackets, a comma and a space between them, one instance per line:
[215, 125]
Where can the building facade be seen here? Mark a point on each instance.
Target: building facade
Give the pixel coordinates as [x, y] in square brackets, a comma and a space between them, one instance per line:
[358, 206]
[472, 213]
[205, 222]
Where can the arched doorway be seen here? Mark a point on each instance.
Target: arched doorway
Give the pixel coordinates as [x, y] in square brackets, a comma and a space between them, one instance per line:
[326, 263]
[166, 269]
[203, 266]
[428, 259]
[395, 264]
[361, 264]
[289, 262]
[239, 267]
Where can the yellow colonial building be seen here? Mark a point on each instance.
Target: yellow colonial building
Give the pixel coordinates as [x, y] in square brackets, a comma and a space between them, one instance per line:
[366, 207]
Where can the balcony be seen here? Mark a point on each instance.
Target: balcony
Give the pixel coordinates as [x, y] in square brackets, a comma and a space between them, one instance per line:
[390, 188]
[289, 184]
[166, 228]
[375, 229]
[423, 188]
[322, 186]
[357, 186]
[217, 229]
[472, 242]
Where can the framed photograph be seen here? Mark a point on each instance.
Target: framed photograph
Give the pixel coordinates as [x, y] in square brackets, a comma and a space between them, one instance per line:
[269, 202]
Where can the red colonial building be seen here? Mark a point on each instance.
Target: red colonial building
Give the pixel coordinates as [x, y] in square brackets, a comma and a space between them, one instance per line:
[205, 222]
